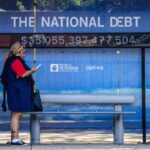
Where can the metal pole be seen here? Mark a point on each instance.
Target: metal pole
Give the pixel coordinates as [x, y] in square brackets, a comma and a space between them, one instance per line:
[118, 126]
[143, 94]
[118, 72]
[34, 119]
[34, 10]
[34, 129]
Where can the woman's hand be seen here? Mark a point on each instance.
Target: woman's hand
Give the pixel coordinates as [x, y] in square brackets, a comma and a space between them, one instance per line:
[33, 69]
[29, 72]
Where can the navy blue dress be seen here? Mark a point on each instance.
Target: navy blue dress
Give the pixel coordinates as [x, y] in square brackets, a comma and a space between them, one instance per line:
[19, 90]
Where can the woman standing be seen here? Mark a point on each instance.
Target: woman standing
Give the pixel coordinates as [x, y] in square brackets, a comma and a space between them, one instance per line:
[19, 88]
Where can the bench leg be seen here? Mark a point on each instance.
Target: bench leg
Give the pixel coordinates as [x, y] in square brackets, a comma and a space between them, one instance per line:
[118, 127]
[34, 129]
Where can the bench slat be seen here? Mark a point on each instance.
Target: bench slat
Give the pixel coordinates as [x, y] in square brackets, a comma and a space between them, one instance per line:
[89, 99]
[103, 112]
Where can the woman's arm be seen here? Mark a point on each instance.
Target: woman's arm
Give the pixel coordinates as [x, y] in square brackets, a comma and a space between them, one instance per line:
[19, 69]
[29, 72]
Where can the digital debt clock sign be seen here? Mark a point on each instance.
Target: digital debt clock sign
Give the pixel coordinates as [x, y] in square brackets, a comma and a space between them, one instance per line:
[77, 40]
[74, 22]
[75, 29]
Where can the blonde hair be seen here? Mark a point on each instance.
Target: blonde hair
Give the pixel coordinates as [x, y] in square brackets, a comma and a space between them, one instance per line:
[14, 50]
[15, 46]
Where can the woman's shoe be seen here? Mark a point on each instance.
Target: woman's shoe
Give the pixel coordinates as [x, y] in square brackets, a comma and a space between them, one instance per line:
[17, 142]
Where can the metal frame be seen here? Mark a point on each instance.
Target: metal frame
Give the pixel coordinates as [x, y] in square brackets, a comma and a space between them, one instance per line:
[143, 95]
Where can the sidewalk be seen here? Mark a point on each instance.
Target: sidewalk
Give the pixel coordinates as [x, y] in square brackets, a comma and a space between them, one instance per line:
[77, 147]
[74, 136]
[75, 140]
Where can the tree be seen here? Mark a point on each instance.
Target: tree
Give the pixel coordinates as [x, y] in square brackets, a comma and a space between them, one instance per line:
[72, 5]
[16, 4]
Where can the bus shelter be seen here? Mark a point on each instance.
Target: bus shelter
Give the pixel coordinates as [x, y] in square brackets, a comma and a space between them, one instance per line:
[100, 46]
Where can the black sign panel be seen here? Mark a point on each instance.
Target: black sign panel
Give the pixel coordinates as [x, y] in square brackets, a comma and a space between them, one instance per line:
[77, 40]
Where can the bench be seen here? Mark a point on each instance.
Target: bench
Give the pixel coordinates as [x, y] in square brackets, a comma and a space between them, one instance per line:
[116, 100]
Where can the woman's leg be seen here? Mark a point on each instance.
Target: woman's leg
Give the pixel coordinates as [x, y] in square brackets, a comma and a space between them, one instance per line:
[14, 125]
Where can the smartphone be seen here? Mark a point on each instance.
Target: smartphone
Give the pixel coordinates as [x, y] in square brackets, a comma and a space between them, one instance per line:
[37, 67]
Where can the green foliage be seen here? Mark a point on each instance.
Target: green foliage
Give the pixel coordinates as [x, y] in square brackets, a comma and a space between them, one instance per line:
[73, 5]
[19, 5]
[64, 5]
[77, 2]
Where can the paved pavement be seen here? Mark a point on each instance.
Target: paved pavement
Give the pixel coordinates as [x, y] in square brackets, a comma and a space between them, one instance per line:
[72, 139]
[76, 140]
[77, 147]
[74, 136]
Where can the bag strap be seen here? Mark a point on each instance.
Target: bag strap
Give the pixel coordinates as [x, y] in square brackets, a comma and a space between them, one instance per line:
[4, 99]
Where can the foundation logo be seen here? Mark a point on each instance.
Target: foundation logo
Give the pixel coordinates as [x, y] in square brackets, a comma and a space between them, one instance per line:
[54, 67]
[63, 68]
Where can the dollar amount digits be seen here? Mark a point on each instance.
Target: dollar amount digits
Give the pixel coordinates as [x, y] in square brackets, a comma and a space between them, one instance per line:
[79, 40]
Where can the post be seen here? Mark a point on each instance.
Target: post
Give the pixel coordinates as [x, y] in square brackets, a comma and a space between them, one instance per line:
[34, 129]
[143, 94]
[118, 126]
